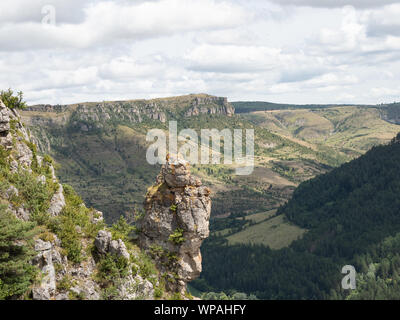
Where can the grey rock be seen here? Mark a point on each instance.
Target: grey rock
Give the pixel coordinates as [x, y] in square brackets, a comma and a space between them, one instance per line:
[4, 119]
[62, 296]
[42, 179]
[23, 154]
[56, 256]
[11, 191]
[22, 213]
[133, 288]
[13, 166]
[97, 217]
[118, 247]
[41, 245]
[102, 241]
[47, 287]
[40, 294]
[57, 202]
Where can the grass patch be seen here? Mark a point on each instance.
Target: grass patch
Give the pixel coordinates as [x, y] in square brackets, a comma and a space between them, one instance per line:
[275, 233]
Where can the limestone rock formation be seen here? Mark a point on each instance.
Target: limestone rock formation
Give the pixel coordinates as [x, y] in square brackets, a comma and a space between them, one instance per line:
[176, 221]
[14, 136]
[44, 260]
[210, 105]
[57, 202]
[4, 120]
[62, 276]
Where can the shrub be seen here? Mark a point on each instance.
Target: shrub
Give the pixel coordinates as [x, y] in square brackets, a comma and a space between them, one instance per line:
[65, 283]
[122, 229]
[177, 236]
[35, 195]
[111, 269]
[12, 101]
[147, 269]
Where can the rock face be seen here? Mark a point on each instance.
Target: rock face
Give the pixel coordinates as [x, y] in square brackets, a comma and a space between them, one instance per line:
[176, 221]
[57, 202]
[44, 261]
[14, 136]
[210, 105]
[4, 120]
[86, 117]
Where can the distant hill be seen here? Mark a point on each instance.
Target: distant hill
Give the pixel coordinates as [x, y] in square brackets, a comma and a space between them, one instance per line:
[391, 112]
[251, 106]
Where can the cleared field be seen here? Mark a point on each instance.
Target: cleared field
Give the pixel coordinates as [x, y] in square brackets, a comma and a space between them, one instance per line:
[261, 216]
[274, 233]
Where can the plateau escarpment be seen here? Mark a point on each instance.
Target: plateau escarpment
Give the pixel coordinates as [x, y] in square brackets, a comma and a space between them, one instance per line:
[94, 115]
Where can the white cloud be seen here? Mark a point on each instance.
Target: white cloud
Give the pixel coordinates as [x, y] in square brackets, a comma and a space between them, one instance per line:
[336, 3]
[383, 22]
[243, 49]
[106, 23]
[232, 59]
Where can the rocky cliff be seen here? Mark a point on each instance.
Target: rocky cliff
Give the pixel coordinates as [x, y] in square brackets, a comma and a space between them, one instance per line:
[95, 115]
[77, 255]
[176, 221]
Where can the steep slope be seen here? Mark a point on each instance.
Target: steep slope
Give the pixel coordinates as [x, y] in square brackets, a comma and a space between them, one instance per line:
[53, 247]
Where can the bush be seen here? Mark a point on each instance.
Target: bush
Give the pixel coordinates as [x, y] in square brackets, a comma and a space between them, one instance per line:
[11, 101]
[121, 229]
[177, 237]
[111, 269]
[35, 195]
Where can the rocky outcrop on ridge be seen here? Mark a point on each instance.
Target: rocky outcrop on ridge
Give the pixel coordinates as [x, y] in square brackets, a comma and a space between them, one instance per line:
[86, 117]
[210, 105]
[176, 221]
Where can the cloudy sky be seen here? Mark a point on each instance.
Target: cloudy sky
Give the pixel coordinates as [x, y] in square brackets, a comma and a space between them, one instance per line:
[294, 51]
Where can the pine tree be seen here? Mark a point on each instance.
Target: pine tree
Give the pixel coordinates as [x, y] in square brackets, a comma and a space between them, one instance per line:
[16, 252]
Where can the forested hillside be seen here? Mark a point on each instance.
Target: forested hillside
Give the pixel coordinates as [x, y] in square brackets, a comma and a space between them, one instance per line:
[350, 214]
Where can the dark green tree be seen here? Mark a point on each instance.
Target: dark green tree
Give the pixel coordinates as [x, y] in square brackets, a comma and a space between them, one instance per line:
[16, 252]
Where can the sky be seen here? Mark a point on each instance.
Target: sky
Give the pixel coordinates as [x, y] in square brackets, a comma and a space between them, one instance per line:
[284, 51]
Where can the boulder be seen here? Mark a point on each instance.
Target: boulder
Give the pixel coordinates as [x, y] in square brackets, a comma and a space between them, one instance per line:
[43, 260]
[4, 119]
[57, 202]
[118, 247]
[102, 241]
